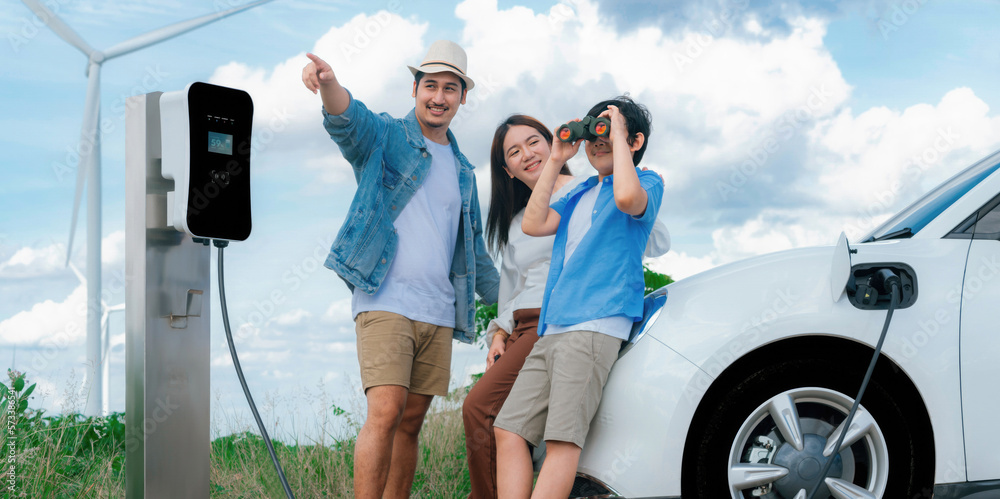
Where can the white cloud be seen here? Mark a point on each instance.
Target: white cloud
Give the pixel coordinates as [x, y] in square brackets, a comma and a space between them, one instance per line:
[341, 347]
[50, 261]
[113, 249]
[368, 55]
[769, 232]
[49, 324]
[338, 312]
[679, 265]
[28, 263]
[873, 163]
[291, 318]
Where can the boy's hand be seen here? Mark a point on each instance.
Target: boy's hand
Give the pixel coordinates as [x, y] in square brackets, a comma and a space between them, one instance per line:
[563, 151]
[316, 73]
[618, 125]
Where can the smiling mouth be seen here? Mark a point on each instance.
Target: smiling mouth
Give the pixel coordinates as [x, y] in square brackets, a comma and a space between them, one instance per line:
[533, 166]
[437, 111]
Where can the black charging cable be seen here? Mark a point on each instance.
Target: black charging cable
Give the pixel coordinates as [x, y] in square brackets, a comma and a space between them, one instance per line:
[883, 279]
[239, 372]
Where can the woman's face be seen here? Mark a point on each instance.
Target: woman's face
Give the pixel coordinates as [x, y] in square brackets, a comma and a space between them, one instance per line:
[525, 153]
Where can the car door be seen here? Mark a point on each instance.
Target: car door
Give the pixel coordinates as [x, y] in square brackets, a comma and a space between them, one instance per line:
[979, 341]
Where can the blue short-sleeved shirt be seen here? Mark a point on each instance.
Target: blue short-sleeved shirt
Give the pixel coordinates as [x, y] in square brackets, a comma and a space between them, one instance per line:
[603, 277]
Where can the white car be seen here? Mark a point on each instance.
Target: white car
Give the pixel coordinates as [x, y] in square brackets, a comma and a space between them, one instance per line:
[736, 382]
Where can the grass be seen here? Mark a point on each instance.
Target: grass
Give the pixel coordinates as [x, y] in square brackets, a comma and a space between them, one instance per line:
[73, 456]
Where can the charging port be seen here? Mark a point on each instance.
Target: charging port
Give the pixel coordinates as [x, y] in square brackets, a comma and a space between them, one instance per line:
[865, 295]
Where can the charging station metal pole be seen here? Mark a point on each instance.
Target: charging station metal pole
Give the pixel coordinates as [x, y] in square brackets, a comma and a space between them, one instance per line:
[167, 328]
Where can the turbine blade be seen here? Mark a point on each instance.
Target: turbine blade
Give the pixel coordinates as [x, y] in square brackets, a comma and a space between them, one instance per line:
[79, 275]
[88, 133]
[58, 26]
[173, 30]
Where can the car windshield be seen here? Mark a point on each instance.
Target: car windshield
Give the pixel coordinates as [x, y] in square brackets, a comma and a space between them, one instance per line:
[909, 221]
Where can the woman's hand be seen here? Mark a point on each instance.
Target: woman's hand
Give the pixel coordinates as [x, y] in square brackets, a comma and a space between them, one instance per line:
[497, 348]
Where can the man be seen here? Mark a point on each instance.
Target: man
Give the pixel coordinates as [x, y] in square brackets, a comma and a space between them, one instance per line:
[412, 252]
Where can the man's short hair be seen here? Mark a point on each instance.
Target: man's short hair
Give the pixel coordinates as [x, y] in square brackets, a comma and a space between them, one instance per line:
[420, 74]
[637, 119]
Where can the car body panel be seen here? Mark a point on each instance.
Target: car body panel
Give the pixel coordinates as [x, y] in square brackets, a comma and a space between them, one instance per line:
[648, 388]
[980, 344]
[712, 319]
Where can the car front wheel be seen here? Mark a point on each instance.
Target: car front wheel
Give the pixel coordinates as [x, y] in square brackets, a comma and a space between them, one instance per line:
[771, 434]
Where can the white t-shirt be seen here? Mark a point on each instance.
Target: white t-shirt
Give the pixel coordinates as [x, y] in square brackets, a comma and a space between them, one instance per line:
[416, 285]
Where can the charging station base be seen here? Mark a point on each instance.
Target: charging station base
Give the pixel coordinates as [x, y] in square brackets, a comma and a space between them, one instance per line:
[167, 328]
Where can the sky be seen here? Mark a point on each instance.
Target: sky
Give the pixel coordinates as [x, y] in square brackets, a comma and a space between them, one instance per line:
[775, 126]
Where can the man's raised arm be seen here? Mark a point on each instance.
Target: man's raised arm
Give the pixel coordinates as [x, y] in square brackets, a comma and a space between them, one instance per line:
[318, 76]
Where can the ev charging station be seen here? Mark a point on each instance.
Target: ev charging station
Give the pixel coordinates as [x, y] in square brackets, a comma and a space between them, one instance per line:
[187, 182]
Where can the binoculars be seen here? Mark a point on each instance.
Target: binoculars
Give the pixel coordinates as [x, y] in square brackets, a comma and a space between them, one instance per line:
[589, 128]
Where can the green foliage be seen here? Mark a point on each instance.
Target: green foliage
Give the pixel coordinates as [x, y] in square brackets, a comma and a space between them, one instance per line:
[654, 280]
[76, 456]
[484, 314]
[59, 456]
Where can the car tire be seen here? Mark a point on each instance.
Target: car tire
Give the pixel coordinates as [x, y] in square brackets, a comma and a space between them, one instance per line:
[735, 426]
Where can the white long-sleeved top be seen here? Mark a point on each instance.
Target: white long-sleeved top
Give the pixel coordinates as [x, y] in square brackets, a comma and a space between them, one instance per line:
[524, 265]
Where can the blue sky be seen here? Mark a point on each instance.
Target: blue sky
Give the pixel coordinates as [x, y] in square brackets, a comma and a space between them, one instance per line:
[775, 125]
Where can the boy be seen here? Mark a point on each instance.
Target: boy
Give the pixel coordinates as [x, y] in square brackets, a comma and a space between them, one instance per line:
[593, 295]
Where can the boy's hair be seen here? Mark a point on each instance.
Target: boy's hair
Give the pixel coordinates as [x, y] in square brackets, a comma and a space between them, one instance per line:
[637, 119]
[419, 75]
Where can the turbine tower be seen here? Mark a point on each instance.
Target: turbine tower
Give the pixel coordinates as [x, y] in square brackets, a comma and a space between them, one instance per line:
[90, 165]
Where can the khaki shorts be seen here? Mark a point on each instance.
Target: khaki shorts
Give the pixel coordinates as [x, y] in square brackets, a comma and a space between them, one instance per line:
[393, 350]
[559, 388]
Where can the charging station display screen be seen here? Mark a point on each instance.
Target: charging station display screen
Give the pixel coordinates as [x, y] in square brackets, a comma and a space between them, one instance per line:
[220, 143]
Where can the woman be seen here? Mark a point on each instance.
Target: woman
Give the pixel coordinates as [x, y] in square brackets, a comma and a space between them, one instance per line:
[521, 146]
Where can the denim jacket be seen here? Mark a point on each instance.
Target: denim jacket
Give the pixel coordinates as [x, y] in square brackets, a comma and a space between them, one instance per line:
[390, 162]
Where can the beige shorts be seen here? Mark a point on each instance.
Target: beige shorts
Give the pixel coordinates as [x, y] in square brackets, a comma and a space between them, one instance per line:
[559, 388]
[393, 350]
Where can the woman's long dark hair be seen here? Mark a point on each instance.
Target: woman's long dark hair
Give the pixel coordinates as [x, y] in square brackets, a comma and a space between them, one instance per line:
[508, 195]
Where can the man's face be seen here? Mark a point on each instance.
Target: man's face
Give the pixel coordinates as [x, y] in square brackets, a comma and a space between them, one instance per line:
[438, 96]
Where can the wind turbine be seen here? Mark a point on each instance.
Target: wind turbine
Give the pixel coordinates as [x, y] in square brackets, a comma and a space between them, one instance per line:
[90, 160]
[105, 342]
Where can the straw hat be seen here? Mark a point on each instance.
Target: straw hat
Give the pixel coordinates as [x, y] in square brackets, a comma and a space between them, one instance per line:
[445, 55]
